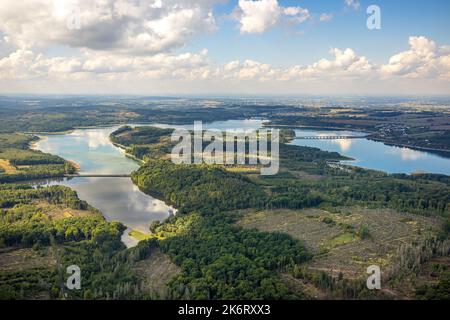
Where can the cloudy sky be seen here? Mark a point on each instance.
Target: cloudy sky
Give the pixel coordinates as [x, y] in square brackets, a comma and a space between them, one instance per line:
[157, 47]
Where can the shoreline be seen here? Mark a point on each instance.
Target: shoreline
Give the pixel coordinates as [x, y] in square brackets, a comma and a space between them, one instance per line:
[124, 149]
[34, 146]
[441, 152]
[418, 148]
[317, 128]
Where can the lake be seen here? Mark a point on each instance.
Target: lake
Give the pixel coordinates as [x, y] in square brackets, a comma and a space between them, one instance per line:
[120, 200]
[117, 198]
[91, 149]
[376, 155]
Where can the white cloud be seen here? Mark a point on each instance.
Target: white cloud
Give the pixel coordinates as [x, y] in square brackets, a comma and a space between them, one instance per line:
[28, 65]
[132, 27]
[353, 4]
[325, 17]
[346, 64]
[15, 66]
[297, 14]
[424, 59]
[248, 70]
[233, 65]
[260, 15]
[424, 65]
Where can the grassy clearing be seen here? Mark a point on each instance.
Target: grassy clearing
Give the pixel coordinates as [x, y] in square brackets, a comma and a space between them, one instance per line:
[243, 169]
[140, 235]
[56, 212]
[341, 239]
[334, 239]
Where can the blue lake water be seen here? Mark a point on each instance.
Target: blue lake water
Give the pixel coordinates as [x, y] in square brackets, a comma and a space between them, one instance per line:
[376, 155]
[91, 149]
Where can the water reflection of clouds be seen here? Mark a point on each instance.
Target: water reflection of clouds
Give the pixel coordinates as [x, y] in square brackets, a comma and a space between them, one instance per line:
[44, 145]
[119, 199]
[344, 144]
[144, 203]
[91, 149]
[136, 202]
[93, 138]
[407, 154]
[218, 125]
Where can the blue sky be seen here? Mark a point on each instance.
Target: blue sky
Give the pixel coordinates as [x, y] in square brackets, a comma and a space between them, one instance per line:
[224, 46]
[311, 40]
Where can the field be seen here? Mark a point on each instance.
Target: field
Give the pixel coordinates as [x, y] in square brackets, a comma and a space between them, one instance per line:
[337, 239]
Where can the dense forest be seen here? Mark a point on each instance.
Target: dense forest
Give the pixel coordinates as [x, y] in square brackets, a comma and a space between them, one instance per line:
[355, 188]
[143, 142]
[127, 136]
[221, 261]
[208, 189]
[23, 222]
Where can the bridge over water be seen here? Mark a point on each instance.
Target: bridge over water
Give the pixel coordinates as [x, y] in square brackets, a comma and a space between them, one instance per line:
[97, 176]
[329, 137]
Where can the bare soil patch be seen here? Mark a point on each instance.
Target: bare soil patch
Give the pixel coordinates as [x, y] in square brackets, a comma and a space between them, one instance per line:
[155, 272]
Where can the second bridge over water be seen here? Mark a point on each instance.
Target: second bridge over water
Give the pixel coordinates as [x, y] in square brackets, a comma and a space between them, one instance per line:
[329, 137]
[87, 175]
